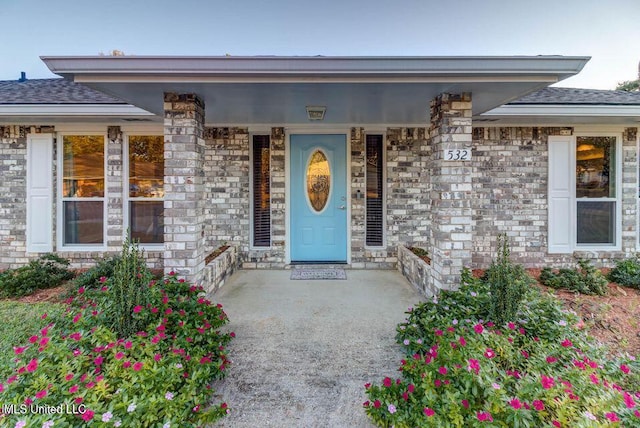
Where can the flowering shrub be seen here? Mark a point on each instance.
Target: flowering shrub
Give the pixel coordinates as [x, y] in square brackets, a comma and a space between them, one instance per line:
[159, 376]
[462, 370]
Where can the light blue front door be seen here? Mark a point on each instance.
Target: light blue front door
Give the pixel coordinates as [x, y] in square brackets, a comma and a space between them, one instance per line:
[318, 198]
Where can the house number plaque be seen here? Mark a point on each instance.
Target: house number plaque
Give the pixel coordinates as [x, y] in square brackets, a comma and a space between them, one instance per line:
[457, 154]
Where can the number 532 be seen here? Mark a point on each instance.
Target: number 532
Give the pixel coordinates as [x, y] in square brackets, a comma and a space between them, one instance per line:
[457, 154]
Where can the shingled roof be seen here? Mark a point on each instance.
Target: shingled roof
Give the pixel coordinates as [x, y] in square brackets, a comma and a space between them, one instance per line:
[575, 96]
[51, 91]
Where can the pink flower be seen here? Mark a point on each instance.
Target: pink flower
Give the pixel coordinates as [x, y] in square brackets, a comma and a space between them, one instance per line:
[33, 339]
[612, 417]
[624, 368]
[628, 400]
[376, 404]
[128, 345]
[411, 388]
[19, 349]
[98, 360]
[87, 415]
[442, 370]
[428, 412]
[465, 404]
[73, 389]
[511, 326]
[126, 364]
[391, 408]
[157, 357]
[439, 332]
[137, 309]
[556, 424]
[119, 355]
[138, 366]
[103, 279]
[474, 365]
[515, 403]
[567, 343]
[547, 382]
[77, 317]
[1, 387]
[462, 341]
[478, 328]
[68, 377]
[81, 290]
[41, 394]
[489, 353]
[538, 405]
[32, 366]
[437, 383]
[387, 382]
[551, 359]
[524, 353]
[484, 416]
[594, 379]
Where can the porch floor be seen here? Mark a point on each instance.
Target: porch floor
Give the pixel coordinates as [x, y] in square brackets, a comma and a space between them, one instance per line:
[304, 349]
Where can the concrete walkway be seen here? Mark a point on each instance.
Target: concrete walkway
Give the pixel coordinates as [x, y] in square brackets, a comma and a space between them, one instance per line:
[304, 349]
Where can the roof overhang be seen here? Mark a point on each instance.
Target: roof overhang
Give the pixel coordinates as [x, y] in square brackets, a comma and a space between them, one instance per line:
[18, 113]
[539, 114]
[276, 90]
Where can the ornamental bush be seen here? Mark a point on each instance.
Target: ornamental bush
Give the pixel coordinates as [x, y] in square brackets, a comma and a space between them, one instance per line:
[585, 279]
[626, 272]
[48, 271]
[535, 370]
[158, 377]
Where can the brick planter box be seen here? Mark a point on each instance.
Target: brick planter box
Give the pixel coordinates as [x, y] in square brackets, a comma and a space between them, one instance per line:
[417, 272]
[219, 269]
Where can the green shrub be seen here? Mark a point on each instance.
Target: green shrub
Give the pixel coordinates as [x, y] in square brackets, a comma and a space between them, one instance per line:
[626, 272]
[586, 279]
[508, 283]
[159, 376]
[47, 271]
[536, 371]
[129, 287]
[104, 268]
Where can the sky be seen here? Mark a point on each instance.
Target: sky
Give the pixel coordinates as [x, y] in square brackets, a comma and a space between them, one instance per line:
[606, 30]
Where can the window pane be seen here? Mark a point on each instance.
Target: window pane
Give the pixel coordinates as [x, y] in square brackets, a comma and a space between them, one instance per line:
[83, 222]
[83, 166]
[261, 192]
[318, 180]
[595, 167]
[147, 221]
[596, 222]
[146, 166]
[374, 233]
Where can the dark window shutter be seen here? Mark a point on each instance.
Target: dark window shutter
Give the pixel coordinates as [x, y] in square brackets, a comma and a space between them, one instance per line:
[374, 193]
[261, 192]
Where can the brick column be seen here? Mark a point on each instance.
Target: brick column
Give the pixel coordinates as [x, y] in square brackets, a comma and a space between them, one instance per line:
[115, 227]
[451, 192]
[184, 240]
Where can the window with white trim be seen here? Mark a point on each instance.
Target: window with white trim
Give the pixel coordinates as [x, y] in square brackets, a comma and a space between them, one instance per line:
[83, 190]
[146, 188]
[584, 195]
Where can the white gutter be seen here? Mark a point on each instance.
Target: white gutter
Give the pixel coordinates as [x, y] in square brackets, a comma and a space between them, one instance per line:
[38, 110]
[565, 110]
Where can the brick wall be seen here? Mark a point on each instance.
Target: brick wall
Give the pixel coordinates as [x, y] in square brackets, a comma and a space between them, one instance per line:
[510, 179]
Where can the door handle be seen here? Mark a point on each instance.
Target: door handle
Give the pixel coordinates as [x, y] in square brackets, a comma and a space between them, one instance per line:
[341, 207]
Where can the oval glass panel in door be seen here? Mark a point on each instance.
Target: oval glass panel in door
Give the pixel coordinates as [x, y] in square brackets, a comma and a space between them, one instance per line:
[318, 180]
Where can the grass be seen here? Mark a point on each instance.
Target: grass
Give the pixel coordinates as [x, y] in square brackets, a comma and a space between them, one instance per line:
[19, 322]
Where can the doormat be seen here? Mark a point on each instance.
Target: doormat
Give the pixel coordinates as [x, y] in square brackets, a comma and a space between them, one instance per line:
[316, 273]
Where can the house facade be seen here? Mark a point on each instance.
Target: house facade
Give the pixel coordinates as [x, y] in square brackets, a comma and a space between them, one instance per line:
[317, 160]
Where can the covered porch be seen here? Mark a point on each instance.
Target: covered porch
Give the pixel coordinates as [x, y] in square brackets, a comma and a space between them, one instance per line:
[219, 113]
